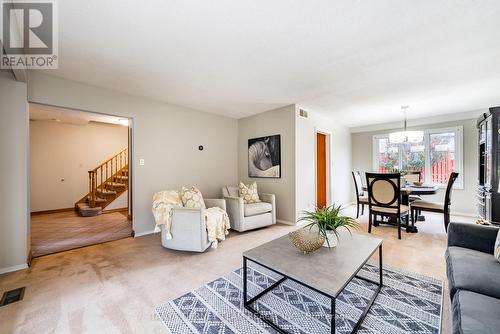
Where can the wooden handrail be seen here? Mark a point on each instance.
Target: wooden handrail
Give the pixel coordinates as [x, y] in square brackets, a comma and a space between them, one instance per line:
[108, 171]
[125, 151]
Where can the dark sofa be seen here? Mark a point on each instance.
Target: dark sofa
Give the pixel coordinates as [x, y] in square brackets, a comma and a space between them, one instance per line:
[473, 279]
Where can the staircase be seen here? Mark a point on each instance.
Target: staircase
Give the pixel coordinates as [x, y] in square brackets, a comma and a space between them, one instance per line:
[106, 183]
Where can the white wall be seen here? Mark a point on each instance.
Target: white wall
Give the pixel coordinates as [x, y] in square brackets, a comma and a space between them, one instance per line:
[13, 173]
[340, 160]
[463, 200]
[68, 151]
[165, 136]
[278, 121]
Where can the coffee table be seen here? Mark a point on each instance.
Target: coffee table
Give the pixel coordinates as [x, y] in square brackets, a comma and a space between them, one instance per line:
[326, 271]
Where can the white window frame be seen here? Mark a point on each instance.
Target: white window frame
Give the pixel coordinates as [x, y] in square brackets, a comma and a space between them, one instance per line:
[459, 149]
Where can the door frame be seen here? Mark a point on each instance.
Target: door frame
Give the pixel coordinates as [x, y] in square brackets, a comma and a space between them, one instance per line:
[328, 136]
[131, 152]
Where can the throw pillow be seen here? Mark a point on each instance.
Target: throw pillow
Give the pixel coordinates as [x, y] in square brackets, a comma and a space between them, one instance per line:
[497, 247]
[192, 198]
[249, 193]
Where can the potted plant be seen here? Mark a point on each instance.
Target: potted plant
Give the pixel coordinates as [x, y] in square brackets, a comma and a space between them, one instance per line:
[328, 220]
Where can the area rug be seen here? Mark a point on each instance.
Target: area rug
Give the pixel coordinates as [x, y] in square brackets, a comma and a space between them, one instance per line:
[407, 303]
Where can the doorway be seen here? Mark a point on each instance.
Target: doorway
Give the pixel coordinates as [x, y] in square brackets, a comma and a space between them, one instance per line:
[80, 178]
[322, 169]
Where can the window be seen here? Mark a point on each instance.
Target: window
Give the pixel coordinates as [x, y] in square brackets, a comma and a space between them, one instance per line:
[436, 155]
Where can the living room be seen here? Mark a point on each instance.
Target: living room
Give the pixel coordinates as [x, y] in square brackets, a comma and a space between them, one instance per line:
[229, 96]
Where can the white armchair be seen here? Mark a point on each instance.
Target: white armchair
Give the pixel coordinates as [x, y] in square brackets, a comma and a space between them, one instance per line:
[250, 216]
[188, 228]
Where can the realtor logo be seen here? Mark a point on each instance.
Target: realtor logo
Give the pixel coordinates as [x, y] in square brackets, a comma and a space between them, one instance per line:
[29, 34]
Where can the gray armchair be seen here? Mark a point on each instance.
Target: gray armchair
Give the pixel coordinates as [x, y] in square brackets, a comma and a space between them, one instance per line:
[244, 217]
[188, 229]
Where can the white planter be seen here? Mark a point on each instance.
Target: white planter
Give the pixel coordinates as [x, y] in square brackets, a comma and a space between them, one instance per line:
[332, 239]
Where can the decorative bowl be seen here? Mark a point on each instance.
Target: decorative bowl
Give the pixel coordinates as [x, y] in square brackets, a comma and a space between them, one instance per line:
[306, 241]
[418, 184]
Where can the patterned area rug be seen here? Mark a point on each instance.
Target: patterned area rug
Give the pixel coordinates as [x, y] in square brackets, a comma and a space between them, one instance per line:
[407, 303]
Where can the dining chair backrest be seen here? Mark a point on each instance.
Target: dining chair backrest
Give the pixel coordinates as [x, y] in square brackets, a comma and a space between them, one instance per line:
[358, 183]
[449, 188]
[412, 177]
[384, 189]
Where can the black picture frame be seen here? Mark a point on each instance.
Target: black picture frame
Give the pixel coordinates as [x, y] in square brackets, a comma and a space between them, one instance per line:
[264, 157]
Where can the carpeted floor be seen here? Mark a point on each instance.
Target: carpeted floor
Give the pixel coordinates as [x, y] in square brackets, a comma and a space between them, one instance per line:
[114, 287]
[408, 302]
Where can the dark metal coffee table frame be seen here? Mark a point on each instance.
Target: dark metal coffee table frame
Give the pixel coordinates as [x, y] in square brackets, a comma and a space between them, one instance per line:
[247, 303]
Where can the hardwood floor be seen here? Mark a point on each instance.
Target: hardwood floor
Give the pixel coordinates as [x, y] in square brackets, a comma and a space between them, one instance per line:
[114, 287]
[55, 232]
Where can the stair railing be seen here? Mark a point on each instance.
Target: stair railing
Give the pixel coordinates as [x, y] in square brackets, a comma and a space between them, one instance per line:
[107, 171]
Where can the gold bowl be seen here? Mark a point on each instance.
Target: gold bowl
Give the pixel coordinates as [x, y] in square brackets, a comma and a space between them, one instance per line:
[306, 241]
[418, 184]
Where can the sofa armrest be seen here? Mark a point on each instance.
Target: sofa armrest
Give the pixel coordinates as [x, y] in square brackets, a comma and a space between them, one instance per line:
[215, 202]
[235, 211]
[472, 236]
[271, 199]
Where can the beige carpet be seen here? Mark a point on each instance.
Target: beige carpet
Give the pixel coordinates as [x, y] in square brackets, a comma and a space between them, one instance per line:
[114, 287]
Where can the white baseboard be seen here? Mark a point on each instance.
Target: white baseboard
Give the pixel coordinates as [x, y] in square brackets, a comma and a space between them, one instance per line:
[13, 268]
[140, 234]
[284, 222]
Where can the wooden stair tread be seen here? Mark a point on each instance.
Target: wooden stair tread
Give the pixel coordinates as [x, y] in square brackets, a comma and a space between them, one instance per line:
[116, 184]
[87, 211]
[106, 192]
[98, 200]
[105, 188]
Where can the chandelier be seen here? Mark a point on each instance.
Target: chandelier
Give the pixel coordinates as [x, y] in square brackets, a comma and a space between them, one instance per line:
[406, 136]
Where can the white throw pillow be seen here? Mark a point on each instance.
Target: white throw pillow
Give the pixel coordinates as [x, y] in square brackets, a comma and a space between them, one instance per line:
[497, 247]
[249, 193]
[192, 198]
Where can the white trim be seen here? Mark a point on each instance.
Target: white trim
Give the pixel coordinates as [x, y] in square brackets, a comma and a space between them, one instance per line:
[281, 221]
[141, 234]
[13, 268]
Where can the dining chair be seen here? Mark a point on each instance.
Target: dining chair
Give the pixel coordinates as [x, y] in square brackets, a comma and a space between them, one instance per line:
[384, 198]
[411, 178]
[414, 176]
[438, 207]
[361, 197]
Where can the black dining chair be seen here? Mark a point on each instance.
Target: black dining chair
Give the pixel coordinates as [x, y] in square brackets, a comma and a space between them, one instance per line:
[361, 197]
[411, 178]
[438, 207]
[384, 198]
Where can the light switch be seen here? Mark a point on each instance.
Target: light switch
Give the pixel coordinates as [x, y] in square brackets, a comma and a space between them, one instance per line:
[141, 162]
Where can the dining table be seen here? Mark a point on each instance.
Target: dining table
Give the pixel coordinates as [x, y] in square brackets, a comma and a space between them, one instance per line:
[406, 191]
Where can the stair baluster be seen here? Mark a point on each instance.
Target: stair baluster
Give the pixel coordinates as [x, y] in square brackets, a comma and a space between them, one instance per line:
[108, 180]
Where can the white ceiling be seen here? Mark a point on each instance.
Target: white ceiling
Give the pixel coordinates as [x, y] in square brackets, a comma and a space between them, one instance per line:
[357, 60]
[40, 112]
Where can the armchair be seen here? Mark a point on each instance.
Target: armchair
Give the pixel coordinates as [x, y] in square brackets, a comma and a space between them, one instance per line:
[188, 229]
[244, 217]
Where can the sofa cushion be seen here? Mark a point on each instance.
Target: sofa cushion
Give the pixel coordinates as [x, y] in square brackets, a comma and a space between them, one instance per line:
[472, 270]
[252, 209]
[475, 313]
